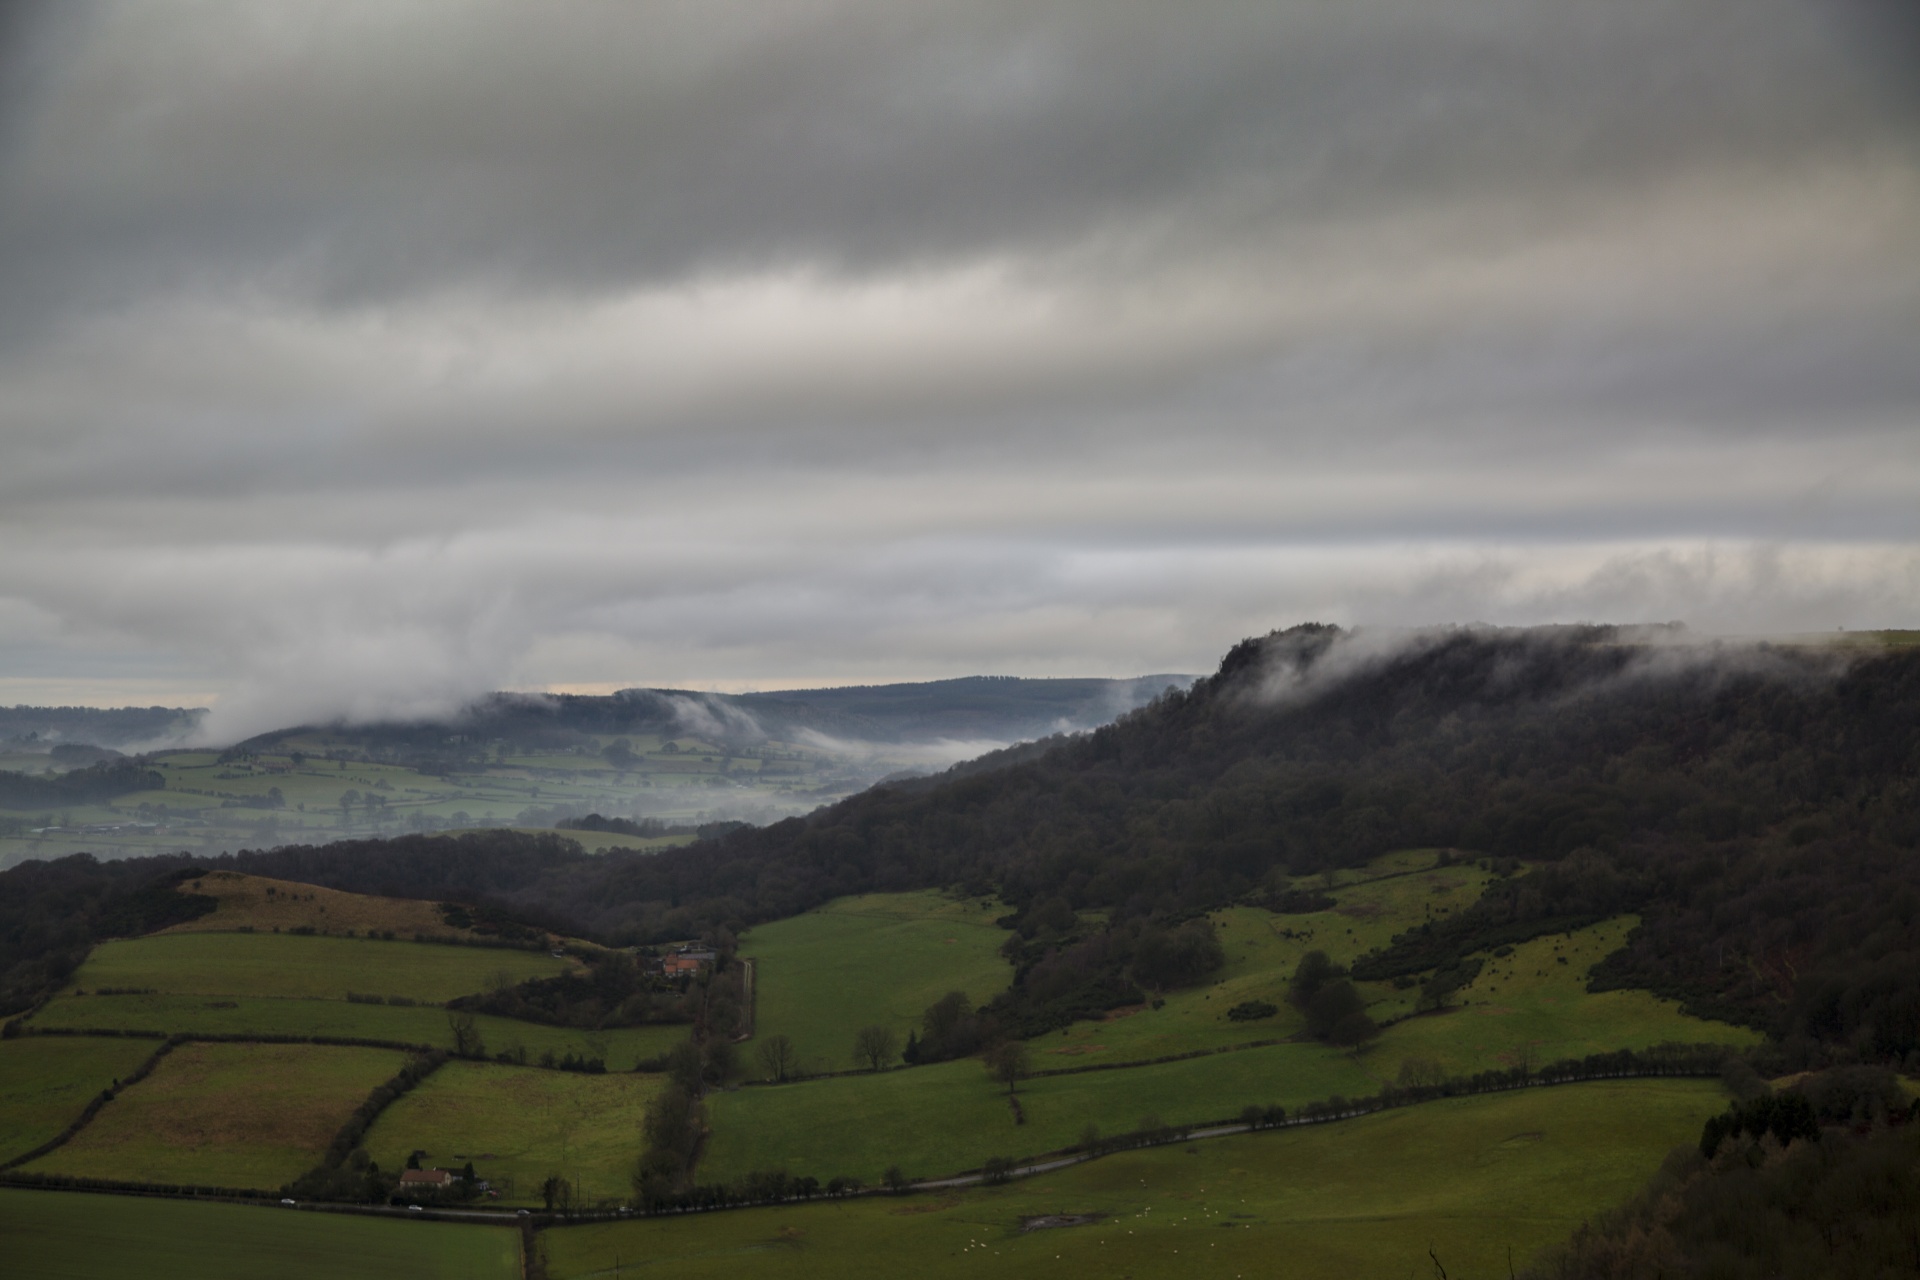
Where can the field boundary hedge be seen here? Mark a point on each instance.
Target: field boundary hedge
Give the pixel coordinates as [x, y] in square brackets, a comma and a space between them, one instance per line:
[422, 1054]
[165, 1190]
[752, 980]
[1185, 1055]
[1660, 1062]
[92, 1108]
[321, 1180]
[239, 1037]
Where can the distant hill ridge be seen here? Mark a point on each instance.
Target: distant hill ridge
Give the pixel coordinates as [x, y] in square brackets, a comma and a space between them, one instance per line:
[40, 727]
[974, 709]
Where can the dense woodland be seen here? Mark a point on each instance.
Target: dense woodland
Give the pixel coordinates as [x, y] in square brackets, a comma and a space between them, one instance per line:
[1758, 806]
[102, 780]
[51, 914]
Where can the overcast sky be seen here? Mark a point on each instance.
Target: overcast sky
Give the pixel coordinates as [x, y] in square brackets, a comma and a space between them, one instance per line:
[358, 357]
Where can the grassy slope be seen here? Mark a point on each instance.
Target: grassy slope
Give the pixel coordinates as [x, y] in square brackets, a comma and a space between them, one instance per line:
[245, 900]
[1470, 1177]
[1262, 950]
[877, 958]
[519, 1126]
[228, 1115]
[948, 1117]
[47, 1081]
[336, 1018]
[1530, 1005]
[83, 1237]
[1524, 1004]
[280, 964]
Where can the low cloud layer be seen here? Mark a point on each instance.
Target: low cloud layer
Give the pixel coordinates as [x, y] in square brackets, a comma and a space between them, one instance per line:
[355, 358]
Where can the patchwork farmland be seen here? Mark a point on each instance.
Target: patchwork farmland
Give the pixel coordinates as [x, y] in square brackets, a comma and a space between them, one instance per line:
[245, 1094]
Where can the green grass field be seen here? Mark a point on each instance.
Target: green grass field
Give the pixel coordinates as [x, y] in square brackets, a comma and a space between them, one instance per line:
[519, 1126]
[226, 1115]
[1530, 1006]
[878, 958]
[1262, 949]
[423, 1024]
[310, 967]
[952, 1116]
[54, 1235]
[1469, 1178]
[1525, 1007]
[47, 1081]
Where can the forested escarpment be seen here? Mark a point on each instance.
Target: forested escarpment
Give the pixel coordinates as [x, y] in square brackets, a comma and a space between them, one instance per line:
[1301, 755]
[1760, 807]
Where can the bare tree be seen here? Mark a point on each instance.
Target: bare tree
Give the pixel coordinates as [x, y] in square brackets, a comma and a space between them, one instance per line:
[779, 1057]
[1009, 1063]
[466, 1036]
[876, 1047]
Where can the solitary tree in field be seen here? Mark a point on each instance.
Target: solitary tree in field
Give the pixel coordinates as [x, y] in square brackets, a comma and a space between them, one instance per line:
[1009, 1063]
[779, 1057]
[876, 1047]
[466, 1035]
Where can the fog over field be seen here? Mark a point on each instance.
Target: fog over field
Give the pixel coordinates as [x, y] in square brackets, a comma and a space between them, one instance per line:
[360, 358]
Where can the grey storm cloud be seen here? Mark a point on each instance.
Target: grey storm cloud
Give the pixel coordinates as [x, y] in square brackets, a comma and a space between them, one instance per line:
[355, 358]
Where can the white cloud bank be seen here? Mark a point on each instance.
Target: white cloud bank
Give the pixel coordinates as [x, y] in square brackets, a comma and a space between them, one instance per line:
[355, 359]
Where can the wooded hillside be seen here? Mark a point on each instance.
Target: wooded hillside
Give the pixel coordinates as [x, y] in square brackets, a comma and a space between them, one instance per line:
[1758, 806]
